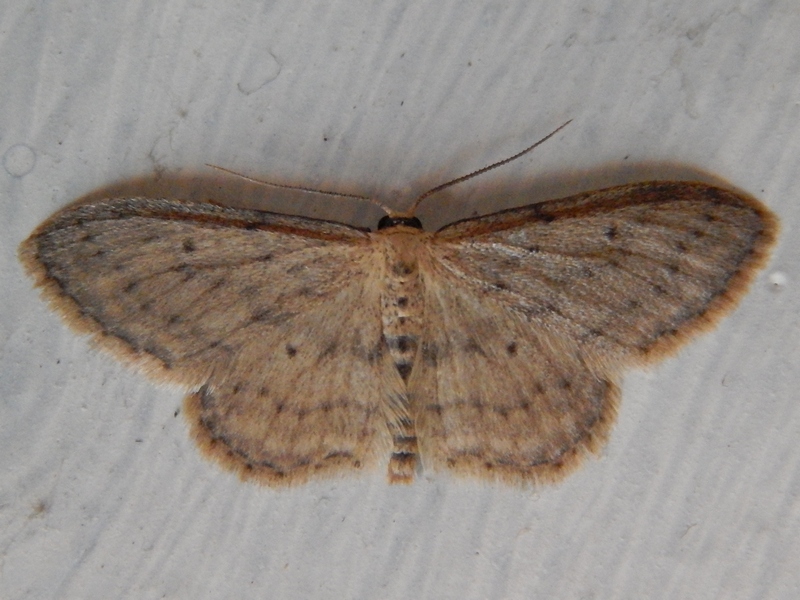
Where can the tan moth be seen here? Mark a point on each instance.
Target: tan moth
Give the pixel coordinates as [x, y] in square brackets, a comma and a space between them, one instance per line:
[490, 348]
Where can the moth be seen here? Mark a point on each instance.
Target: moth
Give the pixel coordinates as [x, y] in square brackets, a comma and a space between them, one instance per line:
[491, 348]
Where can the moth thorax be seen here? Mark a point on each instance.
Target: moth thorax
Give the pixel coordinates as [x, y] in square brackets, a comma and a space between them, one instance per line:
[402, 305]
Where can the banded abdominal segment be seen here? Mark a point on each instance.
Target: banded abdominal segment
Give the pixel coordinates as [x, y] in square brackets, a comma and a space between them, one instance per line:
[402, 309]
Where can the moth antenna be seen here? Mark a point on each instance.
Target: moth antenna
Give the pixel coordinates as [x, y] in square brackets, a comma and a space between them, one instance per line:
[299, 188]
[499, 163]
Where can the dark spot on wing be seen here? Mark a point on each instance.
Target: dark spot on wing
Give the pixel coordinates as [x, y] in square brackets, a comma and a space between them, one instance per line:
[306, 292]
[291, 351]
[262, 314]
[328, 350]
[659, 289]
[188, 245]
[472, 347]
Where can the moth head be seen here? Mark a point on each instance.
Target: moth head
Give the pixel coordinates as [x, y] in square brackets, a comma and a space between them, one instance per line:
[395, 220]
